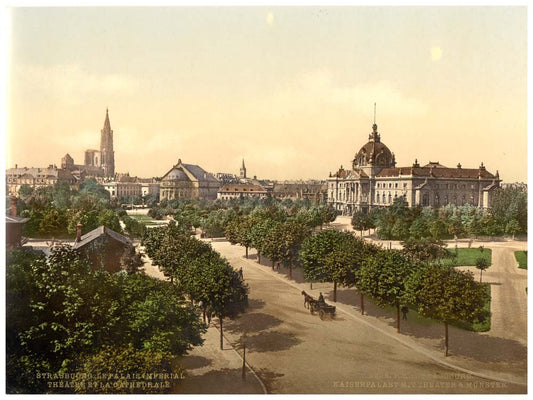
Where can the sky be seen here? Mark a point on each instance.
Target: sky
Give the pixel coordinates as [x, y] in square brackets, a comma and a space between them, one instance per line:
[289, 89]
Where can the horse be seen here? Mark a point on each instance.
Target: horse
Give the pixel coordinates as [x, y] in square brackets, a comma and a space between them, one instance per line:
[307, 299]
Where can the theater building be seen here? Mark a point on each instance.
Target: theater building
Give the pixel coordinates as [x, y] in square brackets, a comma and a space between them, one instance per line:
[375, 181]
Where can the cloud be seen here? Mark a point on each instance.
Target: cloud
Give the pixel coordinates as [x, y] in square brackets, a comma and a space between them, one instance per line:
[436, 53]
[270, 19]
[315, 91]
[70, 82]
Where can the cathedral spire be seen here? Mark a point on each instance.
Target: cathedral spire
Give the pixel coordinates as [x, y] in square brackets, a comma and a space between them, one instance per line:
[107, 154]
[107, 125]
[243, 170]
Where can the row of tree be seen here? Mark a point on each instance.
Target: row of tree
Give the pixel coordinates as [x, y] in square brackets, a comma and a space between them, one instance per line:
[209, 280]
[507, 215]
[393, 278]
[390, 277]
[213, 217]
[63, 317]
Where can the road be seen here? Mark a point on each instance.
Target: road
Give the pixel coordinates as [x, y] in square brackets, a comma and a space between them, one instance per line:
[295, 352]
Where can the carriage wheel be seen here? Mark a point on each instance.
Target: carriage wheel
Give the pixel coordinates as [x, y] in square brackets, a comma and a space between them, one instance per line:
[322, 315]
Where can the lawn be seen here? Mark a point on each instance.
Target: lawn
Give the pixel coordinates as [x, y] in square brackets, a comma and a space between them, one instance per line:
[142, 218]
[467, 257]
[521, 258]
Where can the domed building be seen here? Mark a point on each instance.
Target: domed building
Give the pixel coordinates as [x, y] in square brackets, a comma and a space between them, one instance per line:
[375, 181]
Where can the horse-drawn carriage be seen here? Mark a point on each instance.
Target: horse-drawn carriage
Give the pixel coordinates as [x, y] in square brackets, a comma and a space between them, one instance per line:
[324, 310]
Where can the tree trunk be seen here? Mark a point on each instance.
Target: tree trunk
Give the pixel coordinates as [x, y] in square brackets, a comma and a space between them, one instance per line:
[445, 339]
[398, 318]
[204, 315]
[335, 291]
[480, 275]
[221, 334]
[246, 251]
[272, 264]
[362, 302]
[171, 279]
[311, 285]
[290, 271]
[259, 257]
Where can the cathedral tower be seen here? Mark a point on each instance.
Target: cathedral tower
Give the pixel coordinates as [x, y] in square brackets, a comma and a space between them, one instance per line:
[107, 155]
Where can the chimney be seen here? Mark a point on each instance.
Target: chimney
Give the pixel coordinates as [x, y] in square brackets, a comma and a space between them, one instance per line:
[13, 206]
[78, 232]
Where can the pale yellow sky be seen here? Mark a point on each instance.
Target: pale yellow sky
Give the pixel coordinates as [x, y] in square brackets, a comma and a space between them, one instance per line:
[291, 90]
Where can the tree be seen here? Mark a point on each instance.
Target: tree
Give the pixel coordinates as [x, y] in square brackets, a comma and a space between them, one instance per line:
[447, 295]
[131, 260]
[384, 276]
[239, 231]
[25, 191]
[361, 221]
[437, 229]
[282, 244]
[512, 227]
[109, 219]
[60, 314]
[259, 232]
[330, 256]
[481, 264]
[115, 364]
[327, 214]
[219, 287]
[508, 204]
[426, 249]
[53, 223]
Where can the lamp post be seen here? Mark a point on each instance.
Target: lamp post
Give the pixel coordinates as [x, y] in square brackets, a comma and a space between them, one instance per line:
[243, 340]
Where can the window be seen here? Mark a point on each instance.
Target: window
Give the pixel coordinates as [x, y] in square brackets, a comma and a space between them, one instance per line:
[396, 185]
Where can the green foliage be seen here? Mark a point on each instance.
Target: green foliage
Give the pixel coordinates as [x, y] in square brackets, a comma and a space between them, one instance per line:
[330, 255]
[384, 275]
[283, 242]
[446, 294]
[25, 191]
[134, 228]
[197, 270]
[60, 313]
[116, 364]
[260, 230]
[91, 187]
[109, 219]
[362, 221]
[53, 223]
[425, 249]
[510, 204]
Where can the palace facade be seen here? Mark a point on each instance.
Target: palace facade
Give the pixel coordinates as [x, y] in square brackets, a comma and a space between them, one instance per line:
[375, 181]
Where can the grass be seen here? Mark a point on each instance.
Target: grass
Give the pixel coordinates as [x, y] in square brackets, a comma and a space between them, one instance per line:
[521, 258]
[467, 257]
[146, 220]
[142, 218]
